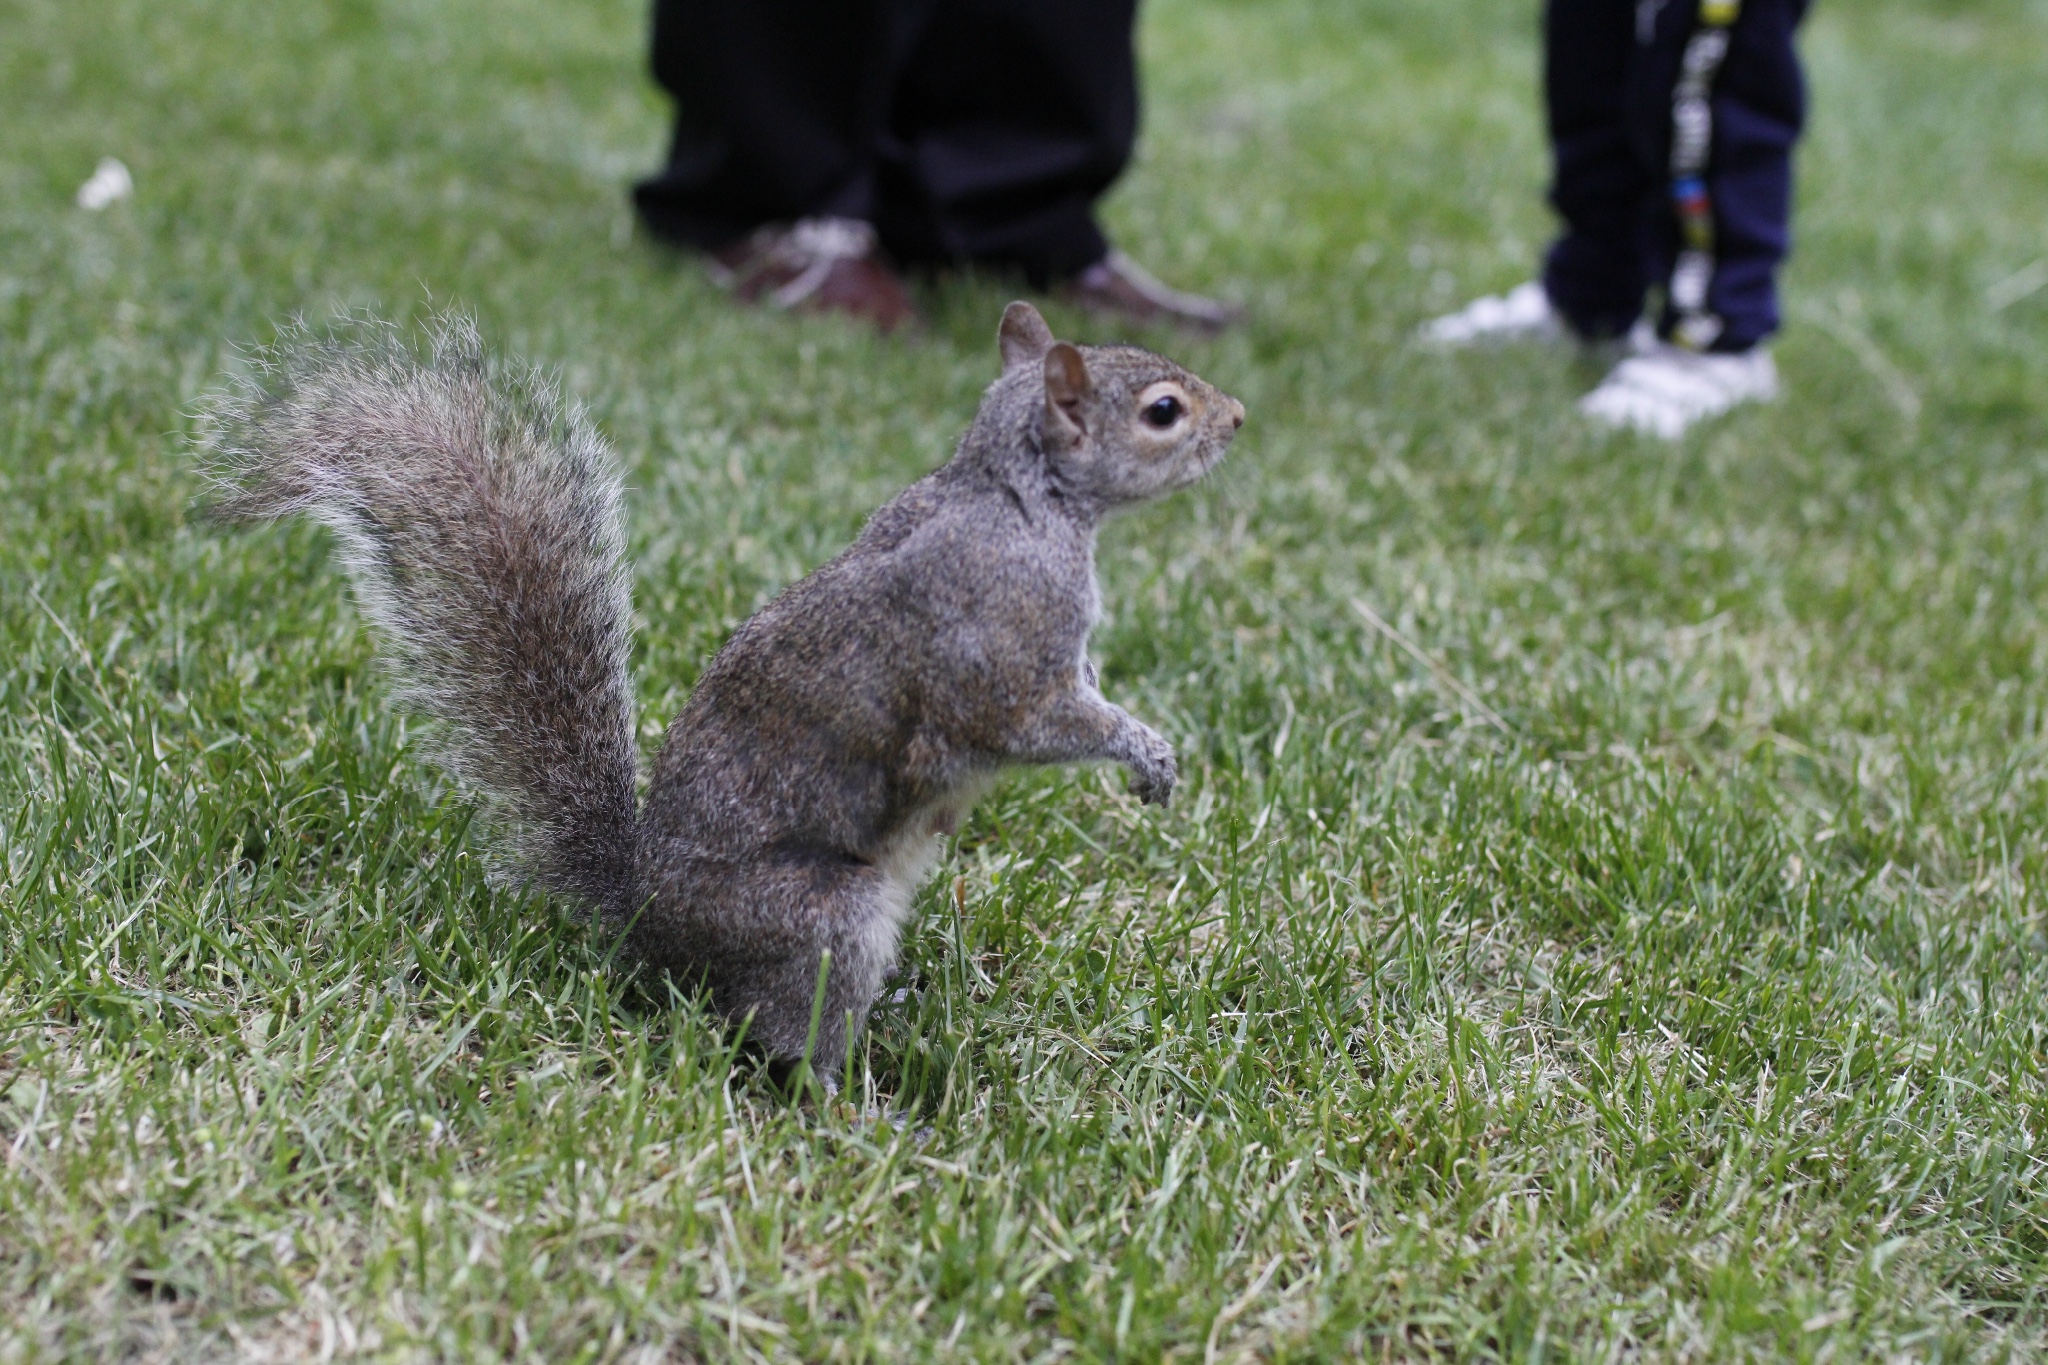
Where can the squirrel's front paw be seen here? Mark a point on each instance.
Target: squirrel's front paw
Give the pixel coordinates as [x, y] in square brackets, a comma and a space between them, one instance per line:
[1153, 773]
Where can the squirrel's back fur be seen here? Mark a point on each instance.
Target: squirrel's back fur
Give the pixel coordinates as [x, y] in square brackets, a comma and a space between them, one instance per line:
[804, 789]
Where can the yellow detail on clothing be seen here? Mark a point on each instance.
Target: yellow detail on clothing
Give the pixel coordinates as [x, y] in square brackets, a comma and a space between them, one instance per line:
[1719, 13]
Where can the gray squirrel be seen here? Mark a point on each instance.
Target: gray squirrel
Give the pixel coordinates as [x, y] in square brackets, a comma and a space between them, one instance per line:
[802, 792]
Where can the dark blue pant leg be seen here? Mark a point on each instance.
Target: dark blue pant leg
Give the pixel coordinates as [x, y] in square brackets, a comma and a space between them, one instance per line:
[1759, 106]
[1610, 72]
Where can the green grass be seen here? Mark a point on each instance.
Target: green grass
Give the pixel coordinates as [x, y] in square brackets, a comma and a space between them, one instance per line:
[1696, 1012]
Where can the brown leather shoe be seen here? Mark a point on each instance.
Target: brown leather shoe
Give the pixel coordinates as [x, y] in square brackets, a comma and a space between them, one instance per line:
[1119, 286]
[818, 265]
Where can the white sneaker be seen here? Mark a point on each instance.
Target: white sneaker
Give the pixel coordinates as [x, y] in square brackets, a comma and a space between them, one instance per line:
[1663, 390]
[1522, 314]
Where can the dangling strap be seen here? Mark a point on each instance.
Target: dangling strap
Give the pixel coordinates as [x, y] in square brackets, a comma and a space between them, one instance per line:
[1692, 141]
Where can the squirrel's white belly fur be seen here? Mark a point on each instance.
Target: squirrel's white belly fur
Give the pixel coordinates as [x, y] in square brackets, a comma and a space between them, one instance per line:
[907, 857]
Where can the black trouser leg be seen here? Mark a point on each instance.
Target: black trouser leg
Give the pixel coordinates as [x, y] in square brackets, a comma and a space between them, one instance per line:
[966, 130]
[1611, 71]
[1010, 119]
[778, 106]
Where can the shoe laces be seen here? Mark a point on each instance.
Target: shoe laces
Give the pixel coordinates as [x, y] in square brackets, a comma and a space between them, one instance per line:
[826, 239]
[1149, 287]
[812, 247]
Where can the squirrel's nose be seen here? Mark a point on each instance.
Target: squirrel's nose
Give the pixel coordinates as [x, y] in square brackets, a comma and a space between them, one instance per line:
[1236, 414]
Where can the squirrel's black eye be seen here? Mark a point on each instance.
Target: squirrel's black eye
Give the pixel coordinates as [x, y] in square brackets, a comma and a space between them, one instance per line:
[1162, 412]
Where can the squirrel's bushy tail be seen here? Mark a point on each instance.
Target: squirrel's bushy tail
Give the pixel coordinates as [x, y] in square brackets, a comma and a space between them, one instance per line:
[478, 516]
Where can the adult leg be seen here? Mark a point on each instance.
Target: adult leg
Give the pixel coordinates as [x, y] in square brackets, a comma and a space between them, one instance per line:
[778, 103]
[1009, 119]
[772, 167]
[1597, 272]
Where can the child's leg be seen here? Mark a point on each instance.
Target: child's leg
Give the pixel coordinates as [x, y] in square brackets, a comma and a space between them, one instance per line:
[1722, 108]
[1717, 103]
[1597, 271]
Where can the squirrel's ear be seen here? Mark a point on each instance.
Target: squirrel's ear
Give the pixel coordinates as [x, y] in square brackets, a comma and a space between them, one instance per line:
[1068, 388]
[1023, 337]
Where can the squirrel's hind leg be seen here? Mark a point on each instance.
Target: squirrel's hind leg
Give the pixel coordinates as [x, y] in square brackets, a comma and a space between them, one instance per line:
[758, 933]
